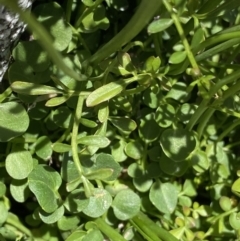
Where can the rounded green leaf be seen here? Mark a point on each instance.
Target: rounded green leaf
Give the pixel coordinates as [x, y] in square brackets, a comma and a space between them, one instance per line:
[19, 190]
[73, 184]
[68, 222]
[117, 151]
[44, 148]
[38, 113]
[99, 203]
[135, 170]
[2, 189]
[19, 164]
[185, 112]
[234, 221]
[155, 153]
[126, 204]
[165, 114]
[53, 217]
[95, 20]
[62, 117]
[93, 234]
[38, 59]
[23, 71]
[76, 201]
[189, 188]
[14, 120]
[178, 92]
[76, 236]
[148, 129]
[88, 3]
[152, 64]
[142, 184]
[236, 187]
[177, 144]
[43, 11]
[199, 161]
[164, 197]
[159, 25]
[198, 37]
[186, 203]
[124, 124]
[125, 63]
[225, 203]
[32, 220]
[106, 163]
[69, 171]
[44, 182]
[177, 57]
[173, 168]
[134, 150]
[59, 29]
[4, 213]
[152, 96]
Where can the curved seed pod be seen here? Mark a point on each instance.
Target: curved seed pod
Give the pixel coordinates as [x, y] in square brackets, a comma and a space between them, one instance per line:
[10, 30]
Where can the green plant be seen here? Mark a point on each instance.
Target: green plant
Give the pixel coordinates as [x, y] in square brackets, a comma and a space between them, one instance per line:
[131, 133]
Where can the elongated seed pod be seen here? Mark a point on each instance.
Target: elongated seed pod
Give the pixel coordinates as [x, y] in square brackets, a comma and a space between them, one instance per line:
[10, 30]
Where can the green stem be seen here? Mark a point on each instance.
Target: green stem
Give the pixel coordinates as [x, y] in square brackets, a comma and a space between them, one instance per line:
[5, 94]
[77, 117]
[149, 229]
[13, 221]
[228, 130]
[143, 15]
[217, 38]
[180, 30]
[227, 213]
[64, 136]
[198, 113]
[203, 121]
[108, 230]
[229, 146]
[226, 6]
[146, 233]
[68, 10]
[216, 49]
[231, 58]
[156, 42]
[23, 140]
[204, 104]
[44, 39]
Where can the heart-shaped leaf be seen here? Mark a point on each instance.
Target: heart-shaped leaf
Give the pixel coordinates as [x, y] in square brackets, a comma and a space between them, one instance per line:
[126, 204]
[44, 182]
[164, 197]
[14, 120]
[99, 203]
[19, 164]
[177, 144]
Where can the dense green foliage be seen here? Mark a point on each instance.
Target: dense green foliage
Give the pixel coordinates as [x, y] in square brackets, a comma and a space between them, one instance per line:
[120, 122]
